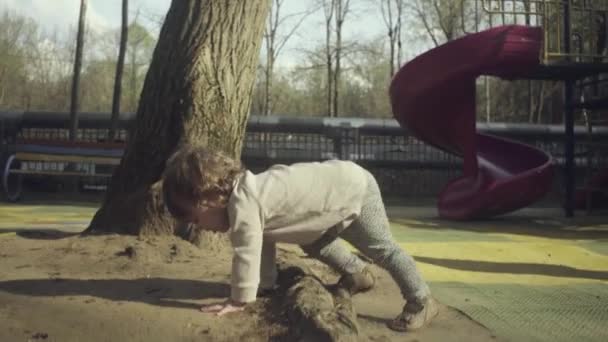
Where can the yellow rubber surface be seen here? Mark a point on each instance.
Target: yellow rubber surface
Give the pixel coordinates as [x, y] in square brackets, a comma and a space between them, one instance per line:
[545, 281]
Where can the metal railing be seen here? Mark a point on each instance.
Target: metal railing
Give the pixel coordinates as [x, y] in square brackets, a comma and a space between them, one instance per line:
[403, 164]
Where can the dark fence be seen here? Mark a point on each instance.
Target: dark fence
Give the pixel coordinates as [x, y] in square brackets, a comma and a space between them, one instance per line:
[404, 165]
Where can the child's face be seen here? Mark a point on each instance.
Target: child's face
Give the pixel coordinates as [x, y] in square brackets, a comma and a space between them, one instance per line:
[205, 217]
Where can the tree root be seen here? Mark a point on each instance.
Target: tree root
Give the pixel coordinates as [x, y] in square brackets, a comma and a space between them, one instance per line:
[313, 311]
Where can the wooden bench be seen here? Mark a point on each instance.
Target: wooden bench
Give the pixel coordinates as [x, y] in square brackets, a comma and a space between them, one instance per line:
[63, 153]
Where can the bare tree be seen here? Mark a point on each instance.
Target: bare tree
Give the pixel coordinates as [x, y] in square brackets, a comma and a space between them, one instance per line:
[124, 34]
[442, 19]
[139, 42]
[197, 90]
[400, 6]
[449, 14]
[392, 21]
[423, 14]
[16, 34]
[77, 67]
[328, 11]
[342, 8]
[154, 18]
[274, 44]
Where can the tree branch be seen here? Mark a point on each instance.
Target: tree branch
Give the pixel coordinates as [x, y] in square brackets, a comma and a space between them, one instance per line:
[288, 36]
[423, 18]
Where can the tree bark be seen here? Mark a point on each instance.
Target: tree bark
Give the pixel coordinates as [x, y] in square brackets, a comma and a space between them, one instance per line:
[198, 89]
[75, 99]
[120, 64]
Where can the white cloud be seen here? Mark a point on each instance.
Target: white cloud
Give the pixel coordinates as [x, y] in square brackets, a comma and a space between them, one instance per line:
[57, 15]
[61, 15]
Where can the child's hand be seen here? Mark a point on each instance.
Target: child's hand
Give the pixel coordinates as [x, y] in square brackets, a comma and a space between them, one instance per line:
[226, 307]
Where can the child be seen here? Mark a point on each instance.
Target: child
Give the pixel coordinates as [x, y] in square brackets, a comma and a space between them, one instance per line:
[309, 204]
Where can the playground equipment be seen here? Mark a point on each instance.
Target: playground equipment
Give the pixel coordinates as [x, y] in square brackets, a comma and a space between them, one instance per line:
[434, 97]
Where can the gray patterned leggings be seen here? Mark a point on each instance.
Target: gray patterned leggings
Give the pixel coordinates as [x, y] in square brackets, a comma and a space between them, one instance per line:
[371, 235]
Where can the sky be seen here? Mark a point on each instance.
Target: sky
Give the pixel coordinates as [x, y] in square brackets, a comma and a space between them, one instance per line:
[364, 23]
[101, 14]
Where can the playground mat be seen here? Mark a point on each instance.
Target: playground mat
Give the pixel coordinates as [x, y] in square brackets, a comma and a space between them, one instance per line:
[528, 276]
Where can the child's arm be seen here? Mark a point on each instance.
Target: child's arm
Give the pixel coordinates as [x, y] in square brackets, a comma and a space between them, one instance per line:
[246, 261]
[223, 308]
[246, 236]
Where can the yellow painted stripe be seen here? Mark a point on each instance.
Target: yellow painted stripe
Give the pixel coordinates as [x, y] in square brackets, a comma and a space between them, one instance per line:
[456, 261]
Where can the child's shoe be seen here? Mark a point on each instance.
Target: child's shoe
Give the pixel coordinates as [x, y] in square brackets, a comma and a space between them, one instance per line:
[357, 282]
[416, 314]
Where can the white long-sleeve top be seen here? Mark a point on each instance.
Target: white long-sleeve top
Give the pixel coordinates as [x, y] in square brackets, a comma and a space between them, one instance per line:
[291, 204]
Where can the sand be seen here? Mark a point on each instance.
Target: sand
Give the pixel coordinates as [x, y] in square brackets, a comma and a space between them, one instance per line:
[58, 286]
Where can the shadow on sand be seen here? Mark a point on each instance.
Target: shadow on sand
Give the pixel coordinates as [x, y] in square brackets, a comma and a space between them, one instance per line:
[546, 227]
[514, 268]
[39, 234]
[154, 291]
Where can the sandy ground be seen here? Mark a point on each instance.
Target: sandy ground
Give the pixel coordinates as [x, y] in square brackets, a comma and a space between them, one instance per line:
[90, 289]
[56, 286]
[530, 276]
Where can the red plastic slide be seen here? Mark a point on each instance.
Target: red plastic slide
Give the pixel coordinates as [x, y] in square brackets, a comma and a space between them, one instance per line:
[434, 97]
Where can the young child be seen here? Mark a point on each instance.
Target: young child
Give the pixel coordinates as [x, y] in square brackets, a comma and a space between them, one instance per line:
[309, 204]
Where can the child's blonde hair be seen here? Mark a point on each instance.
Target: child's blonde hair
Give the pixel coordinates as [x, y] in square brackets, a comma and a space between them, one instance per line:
[199, 175]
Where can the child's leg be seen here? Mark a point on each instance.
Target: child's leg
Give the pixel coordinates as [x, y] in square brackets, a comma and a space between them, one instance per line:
[331, 251]
[371, 234]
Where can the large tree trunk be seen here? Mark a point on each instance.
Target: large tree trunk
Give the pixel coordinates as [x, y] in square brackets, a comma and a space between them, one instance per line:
[197, 89]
